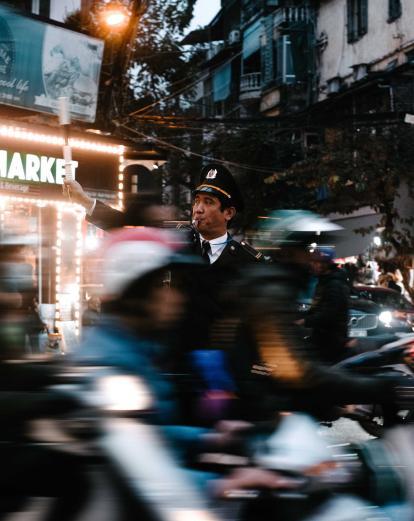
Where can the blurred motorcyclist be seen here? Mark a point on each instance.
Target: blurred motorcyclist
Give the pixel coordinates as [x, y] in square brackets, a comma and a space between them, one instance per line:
[328, 315]
[272, 366]
[139, 309]
[30, 469]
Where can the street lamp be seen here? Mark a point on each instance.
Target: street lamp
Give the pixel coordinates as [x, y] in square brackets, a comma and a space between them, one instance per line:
[115, 14]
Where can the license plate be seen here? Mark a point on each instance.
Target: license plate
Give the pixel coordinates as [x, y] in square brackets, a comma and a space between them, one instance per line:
[354, 333]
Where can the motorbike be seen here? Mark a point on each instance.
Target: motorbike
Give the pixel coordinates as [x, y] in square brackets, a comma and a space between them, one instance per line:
[393, 360]
[314, 480]
[113, 429]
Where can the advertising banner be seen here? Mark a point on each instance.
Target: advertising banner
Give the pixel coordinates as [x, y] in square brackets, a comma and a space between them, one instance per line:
[40, 62]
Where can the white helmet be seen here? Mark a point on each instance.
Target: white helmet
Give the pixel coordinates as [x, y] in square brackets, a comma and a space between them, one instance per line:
[131, 253]
[296, 227]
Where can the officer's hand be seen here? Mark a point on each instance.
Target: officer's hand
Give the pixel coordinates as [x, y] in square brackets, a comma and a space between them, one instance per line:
[74, 191]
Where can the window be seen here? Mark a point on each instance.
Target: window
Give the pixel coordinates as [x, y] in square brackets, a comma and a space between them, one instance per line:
[285, 72]
[357, 19]
[41, 7]
[394, 10]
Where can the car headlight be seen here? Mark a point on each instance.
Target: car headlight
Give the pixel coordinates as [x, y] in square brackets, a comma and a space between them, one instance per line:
[123, 393]
[386, 318]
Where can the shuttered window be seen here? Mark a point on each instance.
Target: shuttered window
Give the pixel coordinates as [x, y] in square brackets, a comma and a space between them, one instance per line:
[285, 72]
[394, 10]
[357, 11]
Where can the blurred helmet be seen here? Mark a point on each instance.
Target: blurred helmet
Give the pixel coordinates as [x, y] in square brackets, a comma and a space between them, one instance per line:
[129, 254]
[297, 227]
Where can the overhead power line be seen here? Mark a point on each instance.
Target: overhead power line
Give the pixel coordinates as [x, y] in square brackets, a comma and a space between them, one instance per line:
[183, 89]
[188, 152]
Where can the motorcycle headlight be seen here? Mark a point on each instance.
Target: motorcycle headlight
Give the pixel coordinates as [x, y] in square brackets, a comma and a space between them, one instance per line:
[124, 393]
[386, 318]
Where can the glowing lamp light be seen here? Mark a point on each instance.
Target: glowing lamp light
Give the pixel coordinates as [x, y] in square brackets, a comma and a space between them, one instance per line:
[115, 14]
[115, 18]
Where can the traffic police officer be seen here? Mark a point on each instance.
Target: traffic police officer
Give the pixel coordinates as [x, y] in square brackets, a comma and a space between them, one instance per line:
[217, 199]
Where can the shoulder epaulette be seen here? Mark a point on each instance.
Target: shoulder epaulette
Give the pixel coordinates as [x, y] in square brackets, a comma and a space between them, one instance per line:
[251, 251]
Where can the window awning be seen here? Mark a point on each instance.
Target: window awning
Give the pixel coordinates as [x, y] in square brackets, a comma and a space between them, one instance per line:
[251, 38]
[222, 82]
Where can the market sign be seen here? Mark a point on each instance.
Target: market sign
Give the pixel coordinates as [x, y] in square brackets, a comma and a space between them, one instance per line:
[31, 168]
[40, 62]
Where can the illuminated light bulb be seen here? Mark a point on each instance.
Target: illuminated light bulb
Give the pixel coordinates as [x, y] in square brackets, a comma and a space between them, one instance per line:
[25, 135]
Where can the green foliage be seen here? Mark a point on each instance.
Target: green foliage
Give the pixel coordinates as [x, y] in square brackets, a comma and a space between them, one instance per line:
[365, 167]
[159, 65]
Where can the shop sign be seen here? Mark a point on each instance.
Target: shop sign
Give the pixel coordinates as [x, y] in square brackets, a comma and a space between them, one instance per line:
[31, 168]
[40, 62]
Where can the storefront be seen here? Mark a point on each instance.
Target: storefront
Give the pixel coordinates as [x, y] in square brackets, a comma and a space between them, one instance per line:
[53, 230]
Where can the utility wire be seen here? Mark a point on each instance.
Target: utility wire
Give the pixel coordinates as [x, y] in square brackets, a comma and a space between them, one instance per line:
[195, 154]
[180, 91]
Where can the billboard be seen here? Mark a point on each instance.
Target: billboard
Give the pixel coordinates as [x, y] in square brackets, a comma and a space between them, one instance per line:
[40, 62]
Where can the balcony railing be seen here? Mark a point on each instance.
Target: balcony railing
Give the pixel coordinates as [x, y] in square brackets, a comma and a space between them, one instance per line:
[251, 82]
[291, 15]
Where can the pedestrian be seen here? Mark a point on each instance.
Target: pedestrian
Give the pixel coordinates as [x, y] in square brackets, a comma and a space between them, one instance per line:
[328, 315]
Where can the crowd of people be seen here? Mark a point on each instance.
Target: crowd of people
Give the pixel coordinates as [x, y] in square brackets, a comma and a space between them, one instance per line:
[211, 325]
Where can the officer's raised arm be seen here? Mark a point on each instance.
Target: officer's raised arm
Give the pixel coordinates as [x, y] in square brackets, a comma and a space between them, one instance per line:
[73, 190]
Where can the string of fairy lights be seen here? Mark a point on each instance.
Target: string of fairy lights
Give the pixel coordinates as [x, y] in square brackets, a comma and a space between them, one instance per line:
[51, 139]
[71, 292]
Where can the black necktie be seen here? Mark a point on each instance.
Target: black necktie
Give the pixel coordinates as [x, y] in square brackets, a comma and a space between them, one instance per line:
[205, 250]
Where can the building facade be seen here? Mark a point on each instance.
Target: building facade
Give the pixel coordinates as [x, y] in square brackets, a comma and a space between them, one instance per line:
[317, 68]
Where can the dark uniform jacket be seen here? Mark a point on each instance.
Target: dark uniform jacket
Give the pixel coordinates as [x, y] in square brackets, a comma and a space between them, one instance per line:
[105, 217]
[211, 280]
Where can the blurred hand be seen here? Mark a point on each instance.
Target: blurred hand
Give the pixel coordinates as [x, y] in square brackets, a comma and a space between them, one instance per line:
[227, 433]
[74, 191]
[300, 322]
[233, 426]
[352, 343]
[251, 478]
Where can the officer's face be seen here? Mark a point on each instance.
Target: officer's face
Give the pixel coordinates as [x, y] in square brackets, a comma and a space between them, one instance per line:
[209, 218]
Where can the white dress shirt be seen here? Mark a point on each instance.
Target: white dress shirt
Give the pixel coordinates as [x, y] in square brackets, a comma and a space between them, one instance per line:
[216, 246]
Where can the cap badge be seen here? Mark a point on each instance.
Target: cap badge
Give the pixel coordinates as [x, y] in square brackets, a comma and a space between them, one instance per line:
[211, 174]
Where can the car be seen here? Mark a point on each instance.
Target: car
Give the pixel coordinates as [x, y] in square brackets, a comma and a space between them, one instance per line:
[375, 310]
[375, 313]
